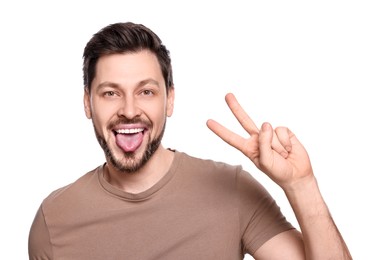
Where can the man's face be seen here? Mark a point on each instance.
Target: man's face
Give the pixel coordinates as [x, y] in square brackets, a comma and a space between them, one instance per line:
[128, 105]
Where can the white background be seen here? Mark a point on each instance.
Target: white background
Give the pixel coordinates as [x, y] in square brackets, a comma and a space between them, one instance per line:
[308, 65]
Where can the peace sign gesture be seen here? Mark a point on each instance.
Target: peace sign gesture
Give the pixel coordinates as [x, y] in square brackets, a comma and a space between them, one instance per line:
[276, 152]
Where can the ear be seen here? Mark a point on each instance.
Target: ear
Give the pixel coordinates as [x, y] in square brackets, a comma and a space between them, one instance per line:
[170, 101]
[87, 103]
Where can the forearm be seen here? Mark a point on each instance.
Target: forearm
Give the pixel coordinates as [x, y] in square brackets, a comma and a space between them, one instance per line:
[321, 237]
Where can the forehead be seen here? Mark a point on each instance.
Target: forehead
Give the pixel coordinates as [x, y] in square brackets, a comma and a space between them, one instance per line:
[128, 68]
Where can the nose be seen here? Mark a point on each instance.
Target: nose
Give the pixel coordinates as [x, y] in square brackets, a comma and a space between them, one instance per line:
[129, 108]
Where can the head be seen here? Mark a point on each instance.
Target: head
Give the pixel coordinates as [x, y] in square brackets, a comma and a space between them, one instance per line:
[124, 38]
[129, 92]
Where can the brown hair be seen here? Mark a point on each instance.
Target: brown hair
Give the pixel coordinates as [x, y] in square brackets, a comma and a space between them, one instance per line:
[122, 38]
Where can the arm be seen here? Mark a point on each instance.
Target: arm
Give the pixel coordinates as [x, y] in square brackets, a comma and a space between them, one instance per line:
[39, 241]
[279, 154]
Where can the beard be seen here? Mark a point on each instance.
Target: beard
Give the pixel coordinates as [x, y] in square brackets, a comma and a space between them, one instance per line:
[130, 163]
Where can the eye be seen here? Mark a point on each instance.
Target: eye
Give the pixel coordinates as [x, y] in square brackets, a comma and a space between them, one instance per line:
[109, 93]
[147, 92]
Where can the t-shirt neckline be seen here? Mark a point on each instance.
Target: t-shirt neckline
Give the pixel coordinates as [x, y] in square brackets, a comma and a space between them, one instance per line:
[142, 195]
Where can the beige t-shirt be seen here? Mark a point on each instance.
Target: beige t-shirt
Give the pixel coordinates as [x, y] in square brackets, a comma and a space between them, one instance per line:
[200, 209]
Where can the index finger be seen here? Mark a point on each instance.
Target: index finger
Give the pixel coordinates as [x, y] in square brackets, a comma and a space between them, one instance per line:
[227, 135]
[242, 117]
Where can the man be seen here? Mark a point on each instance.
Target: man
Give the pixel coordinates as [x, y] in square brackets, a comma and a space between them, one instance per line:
[149, 202]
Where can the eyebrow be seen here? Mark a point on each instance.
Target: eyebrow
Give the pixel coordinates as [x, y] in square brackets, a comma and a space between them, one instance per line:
[107, 84]
[149, 81]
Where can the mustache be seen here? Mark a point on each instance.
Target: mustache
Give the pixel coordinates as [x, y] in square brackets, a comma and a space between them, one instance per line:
[119, 121]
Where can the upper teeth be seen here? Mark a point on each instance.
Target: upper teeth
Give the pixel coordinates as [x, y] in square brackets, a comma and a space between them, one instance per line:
[129, 131]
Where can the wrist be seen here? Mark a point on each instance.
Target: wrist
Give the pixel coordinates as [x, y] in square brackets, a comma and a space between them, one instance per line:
[302, 185]
[305, 197]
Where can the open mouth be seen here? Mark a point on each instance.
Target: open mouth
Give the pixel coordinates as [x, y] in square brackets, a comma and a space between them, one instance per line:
[129, 139]
[129, 131]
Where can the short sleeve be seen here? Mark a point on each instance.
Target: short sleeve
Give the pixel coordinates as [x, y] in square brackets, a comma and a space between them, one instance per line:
[260, 216]
[39, 240]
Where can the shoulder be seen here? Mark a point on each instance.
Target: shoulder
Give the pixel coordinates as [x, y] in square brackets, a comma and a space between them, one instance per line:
[72, 191]
[209, 166]
[218, 169]
[211, 173]
[231, 176]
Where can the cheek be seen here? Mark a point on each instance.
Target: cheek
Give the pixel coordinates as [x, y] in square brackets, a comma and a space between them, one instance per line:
[101, 116]
[157, 116]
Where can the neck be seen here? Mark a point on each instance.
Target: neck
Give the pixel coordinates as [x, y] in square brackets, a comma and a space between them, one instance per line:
[143, 179]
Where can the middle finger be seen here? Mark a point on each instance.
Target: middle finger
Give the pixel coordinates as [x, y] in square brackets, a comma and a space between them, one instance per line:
[242, 117]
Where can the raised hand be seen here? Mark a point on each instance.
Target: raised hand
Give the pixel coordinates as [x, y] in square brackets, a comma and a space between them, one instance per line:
[276, 152]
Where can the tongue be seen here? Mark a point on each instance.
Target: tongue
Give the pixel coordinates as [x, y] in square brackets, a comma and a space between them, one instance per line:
[129, 142]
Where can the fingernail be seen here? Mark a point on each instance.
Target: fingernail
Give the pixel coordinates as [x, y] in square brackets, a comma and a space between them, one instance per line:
[266, 126]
